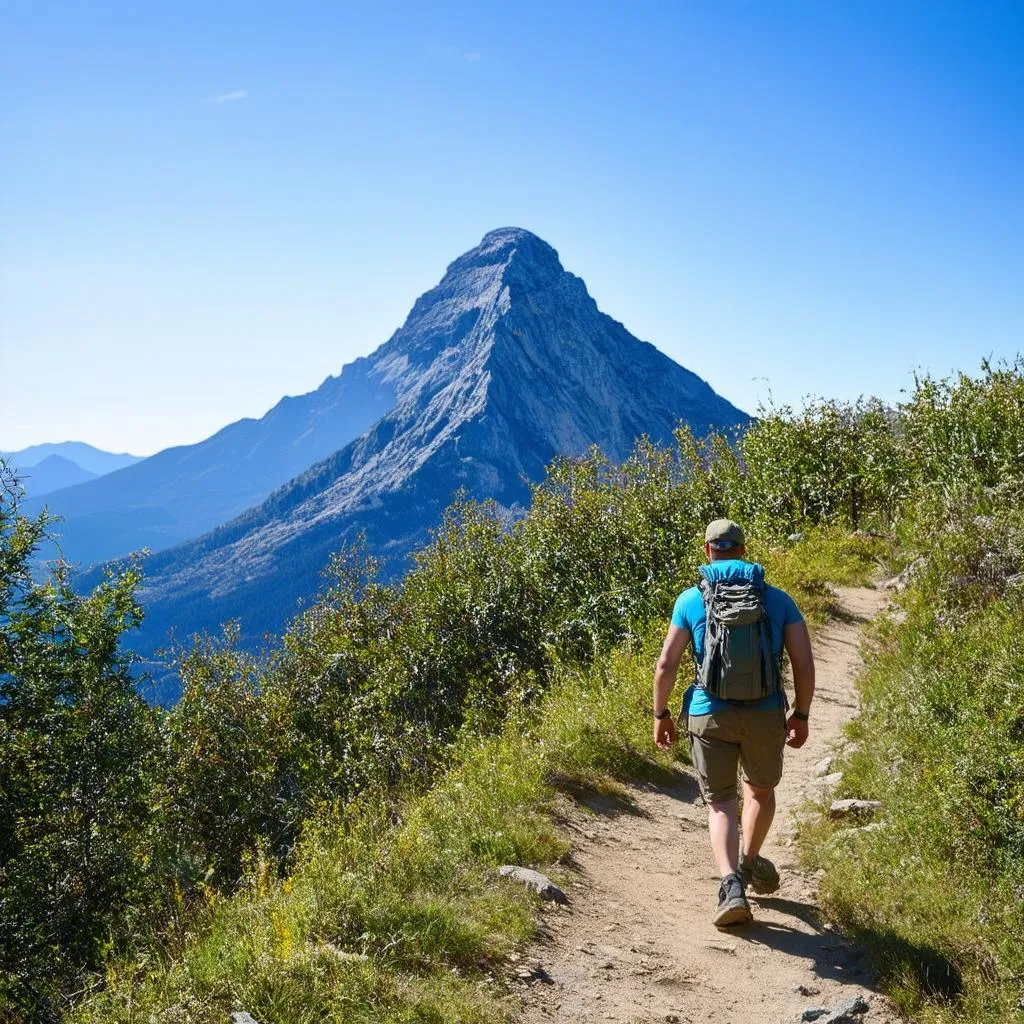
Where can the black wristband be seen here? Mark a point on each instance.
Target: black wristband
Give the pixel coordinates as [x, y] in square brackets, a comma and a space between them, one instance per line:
[662, 714]
[801, 717]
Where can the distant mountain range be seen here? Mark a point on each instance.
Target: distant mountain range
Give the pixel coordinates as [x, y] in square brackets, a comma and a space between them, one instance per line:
[53, 473]
[185, 491]
[50, 467]
[503, 366]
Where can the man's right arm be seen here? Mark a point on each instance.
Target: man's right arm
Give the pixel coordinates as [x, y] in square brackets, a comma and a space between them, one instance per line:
[672, 650]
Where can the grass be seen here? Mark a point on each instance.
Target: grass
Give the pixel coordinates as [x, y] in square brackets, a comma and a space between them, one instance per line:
[394, 912]
[821, 559]
[935, 894]
[392, 909]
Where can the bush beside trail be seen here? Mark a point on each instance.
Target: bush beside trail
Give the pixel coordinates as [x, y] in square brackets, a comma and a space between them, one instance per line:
[937, 892]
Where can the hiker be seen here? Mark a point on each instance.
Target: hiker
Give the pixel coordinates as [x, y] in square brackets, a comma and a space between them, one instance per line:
[735, 709]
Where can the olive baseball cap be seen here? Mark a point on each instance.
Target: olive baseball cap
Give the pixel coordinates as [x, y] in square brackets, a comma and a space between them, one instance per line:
[724, 533]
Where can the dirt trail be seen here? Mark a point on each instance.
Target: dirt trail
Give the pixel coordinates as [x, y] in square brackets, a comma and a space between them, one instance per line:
[636, 943]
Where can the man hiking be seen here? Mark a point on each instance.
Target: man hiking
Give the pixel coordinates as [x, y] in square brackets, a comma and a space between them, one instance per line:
[735, 709]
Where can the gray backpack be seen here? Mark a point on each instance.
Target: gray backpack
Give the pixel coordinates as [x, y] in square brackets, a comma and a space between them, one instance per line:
[738, 662]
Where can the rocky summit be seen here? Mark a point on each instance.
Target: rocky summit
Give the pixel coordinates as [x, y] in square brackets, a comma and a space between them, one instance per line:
[503, 366]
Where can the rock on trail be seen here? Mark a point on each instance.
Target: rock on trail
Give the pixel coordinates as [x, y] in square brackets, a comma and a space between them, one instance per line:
[540, 884]
[849, 807]
[637, 945]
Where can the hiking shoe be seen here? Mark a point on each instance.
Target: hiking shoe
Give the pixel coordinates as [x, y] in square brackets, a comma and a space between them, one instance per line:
[733, 907]
[759, 874]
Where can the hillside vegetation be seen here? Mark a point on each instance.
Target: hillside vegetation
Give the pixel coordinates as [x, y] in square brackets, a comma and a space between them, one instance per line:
[312, 836]
[937, 892]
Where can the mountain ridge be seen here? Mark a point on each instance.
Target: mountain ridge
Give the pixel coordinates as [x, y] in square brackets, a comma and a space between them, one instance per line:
[93, 460]
[51, 474]
[185, 490]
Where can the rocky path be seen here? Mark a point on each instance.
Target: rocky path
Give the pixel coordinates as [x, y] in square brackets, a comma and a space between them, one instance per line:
[636, 943]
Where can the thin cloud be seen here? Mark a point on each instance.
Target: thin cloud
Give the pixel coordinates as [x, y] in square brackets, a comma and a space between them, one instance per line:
[228, 97]
[473, 56]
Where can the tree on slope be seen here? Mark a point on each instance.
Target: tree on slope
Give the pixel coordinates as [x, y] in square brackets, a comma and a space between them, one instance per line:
[76, 762]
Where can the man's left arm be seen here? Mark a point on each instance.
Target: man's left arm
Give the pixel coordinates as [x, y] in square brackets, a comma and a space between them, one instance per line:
[797, 642]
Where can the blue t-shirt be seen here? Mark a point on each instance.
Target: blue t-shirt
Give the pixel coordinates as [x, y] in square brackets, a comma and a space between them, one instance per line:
[689, 614]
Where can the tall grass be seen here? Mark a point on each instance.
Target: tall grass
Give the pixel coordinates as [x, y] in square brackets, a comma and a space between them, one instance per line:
[395, 912]
[349, 797]
[936, 889]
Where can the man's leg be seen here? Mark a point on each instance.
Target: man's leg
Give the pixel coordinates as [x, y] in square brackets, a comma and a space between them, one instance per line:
[725, 837]
[715, 751]
[758, 812]
[764, 736]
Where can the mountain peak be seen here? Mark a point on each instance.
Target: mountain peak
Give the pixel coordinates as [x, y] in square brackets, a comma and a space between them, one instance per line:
[477, 288]
[504, 248]
[510, 240]
[506, 364]
[499, 236]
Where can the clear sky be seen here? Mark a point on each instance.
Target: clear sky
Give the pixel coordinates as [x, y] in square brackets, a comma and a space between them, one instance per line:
[206, 206]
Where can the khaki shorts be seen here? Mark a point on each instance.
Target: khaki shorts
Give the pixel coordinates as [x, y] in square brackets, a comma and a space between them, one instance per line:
[737, 736]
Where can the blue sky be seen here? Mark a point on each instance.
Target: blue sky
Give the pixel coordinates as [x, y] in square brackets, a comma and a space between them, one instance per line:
[206, 206]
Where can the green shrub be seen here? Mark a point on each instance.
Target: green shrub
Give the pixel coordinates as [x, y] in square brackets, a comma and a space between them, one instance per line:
[354, 720]
[935, 893]
[394, 911]
[225, 756]
[78, 757]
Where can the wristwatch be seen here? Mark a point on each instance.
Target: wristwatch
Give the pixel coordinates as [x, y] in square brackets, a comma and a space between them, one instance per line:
[801, 717]
[662, 714]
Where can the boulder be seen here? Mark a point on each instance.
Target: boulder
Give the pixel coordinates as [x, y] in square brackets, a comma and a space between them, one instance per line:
[820, 787]
[540, 884]
[848, 1012]
[849, 808]
[902, 580]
